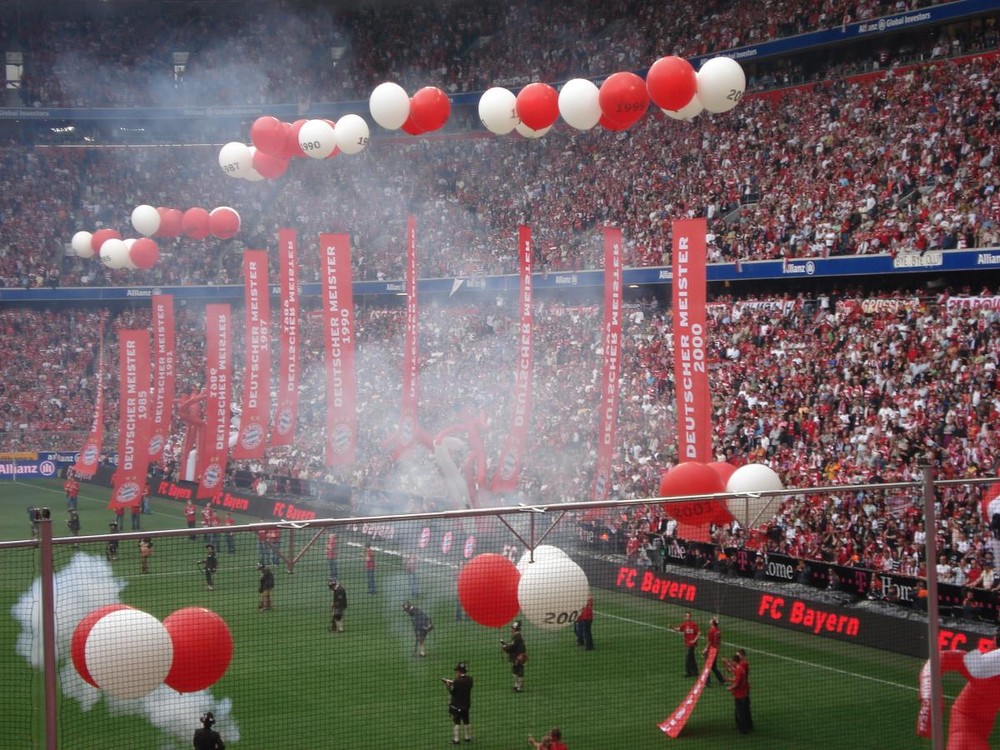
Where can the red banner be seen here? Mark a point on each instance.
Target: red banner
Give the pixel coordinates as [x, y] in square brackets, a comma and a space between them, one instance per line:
[286, 412]
[508, 471]
[338, 317]
[213, 446]
[694, 408]
[252, 438]
[90, 454]
[612, 362]
[133, 418]
[164, 374]
[673, 724]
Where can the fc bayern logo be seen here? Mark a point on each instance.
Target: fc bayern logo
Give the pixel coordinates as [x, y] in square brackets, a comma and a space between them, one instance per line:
[446, 542]
[470, 547]
[425, 537]
[340, 440]
[155, 444]
[128, 492]
[602, 481]
[252, 436]
[90, 455]
[213, 473]
[284, 421]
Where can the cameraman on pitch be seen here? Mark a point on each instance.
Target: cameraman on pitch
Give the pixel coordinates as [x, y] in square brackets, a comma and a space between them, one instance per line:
[460, 702]
[207, 738]
[517, 654]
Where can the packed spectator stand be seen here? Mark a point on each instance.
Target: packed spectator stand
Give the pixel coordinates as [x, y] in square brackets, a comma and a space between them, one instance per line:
[834, 166]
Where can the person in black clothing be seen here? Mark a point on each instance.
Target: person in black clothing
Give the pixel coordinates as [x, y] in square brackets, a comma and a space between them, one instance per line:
[517, 655]
[422, 625]
[207, 738]
[265, 587]
[460, 702]
[210, 564]
[337, 606]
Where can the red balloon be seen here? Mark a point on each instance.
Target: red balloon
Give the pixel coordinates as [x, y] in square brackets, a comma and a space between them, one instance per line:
[537, 105]
[78, 643]
[268, 134]
[203, 648]
[671, 82]
[292, 148]
[171, 221]
[623, 98]
[144, 253]
[194, 223]
[725, 470]
[101, 236]
[410, 126]
[487, 589]
[224, 222]
[692, 478]
[608, 124]
[429, 108]
[269, 166]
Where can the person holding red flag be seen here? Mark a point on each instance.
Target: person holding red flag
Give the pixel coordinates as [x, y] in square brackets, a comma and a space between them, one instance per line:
[714, 640]
[692, 634]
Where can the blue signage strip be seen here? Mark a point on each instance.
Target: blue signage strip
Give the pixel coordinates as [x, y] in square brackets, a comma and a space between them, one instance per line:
[939, 261]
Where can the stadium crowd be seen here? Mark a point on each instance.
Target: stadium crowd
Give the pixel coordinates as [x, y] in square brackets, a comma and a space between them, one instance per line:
[828, 168]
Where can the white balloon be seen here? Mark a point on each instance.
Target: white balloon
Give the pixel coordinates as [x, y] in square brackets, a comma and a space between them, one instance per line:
[753, 509]
[552, 592]
[542, 552]
[114, 253]
[128, 653]
[579, 103]
[688, 112]
[351, 134]
[389, 105]
[146, 220]
[529, 132]
[235, 159]
[317, 139]
[251, 174]
[128, 254]
[81, 244]
[721, 83]
[497, 110]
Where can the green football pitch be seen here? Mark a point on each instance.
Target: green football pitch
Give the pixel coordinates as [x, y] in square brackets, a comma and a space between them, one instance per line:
[293, 684]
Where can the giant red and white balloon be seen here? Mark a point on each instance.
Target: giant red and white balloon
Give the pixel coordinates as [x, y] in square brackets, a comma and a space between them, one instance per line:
[78, 641]
[430, 108]
[145, 220]
[144, 253]
[721, 84]
[235, 159]
[101, 236]
[689, 479]
[671, 82]
[267, 133]
[114, 253]
[552, 591]
[171, 222]
[81, 244]
[537, 106]
[623, 99]
[487, 589]
[224, 222]
[498, 110]
[579, 103]
[316, 139]
[389, 105]
[128, 653]
[202, 649]
[351, 134]
[194, 223]
[752, 508]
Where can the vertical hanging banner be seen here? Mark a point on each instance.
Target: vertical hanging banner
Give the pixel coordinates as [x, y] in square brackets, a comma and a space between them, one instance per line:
[90, 454]
[133, 419]
[213, 445]
[508, 471]
[256, 403]
[341, 381]
[612, 362]
[694, 407]
[162, 408]
[286, 412]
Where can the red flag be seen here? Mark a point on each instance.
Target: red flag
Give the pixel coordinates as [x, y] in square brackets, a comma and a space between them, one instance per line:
[673, 724]
[252, 437]
[213, 446]
[86, 462]
[287, 410]
[694, 409]
[163, 374]
[612, 362]
[133, 420]
[341, 385]
[508, 471]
